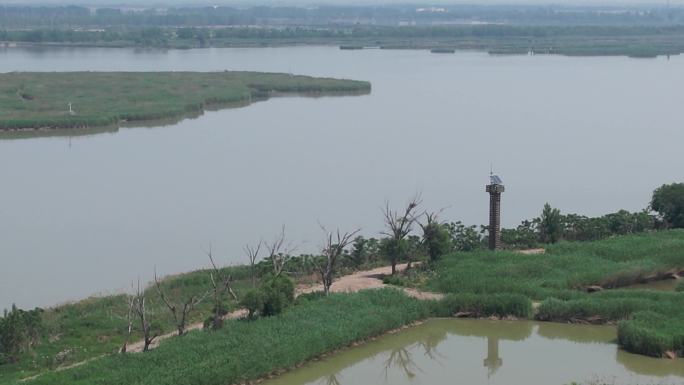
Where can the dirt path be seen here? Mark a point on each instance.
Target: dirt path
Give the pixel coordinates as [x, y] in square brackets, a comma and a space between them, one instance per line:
[361, 280]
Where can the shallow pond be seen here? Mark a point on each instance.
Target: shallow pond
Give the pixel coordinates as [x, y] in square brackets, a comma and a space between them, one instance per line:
[474, 352]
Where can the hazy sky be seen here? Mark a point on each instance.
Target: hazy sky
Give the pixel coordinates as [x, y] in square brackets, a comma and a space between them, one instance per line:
[337, 2]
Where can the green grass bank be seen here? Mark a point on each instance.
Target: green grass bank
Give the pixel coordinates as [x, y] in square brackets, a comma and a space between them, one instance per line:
[30, 100]
[649, 322]
[478, 284]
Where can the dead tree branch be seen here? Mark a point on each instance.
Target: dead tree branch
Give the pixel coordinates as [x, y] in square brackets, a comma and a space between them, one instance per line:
[180, 310]
[332, 250]
[221, 283]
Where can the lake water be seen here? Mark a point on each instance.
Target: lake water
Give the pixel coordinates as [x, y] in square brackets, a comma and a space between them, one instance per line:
[86, 214]
[481, 352]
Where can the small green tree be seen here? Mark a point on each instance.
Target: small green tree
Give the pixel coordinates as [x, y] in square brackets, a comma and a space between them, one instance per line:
[278, 293]
[398, 227]
[464, 238]
[668, 202]
[19, 332]
[550, 225]
[253, 301]
[436, 238]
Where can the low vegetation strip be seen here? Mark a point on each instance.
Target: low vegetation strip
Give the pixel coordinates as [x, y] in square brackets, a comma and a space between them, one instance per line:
[246, 350]
[91, 99]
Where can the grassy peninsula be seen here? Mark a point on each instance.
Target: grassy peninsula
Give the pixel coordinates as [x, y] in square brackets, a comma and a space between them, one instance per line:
[477, 284]
[97, 99]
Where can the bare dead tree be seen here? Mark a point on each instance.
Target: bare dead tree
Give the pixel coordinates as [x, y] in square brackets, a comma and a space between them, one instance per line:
[221, 283]
[332, 250]
[180, 310]
[278, 250]
[140, 311]
[398, 226]
[130, 302]
[253, 254]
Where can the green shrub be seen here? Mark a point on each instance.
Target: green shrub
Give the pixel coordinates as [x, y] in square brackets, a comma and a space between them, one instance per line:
[278, 293]
[395, 280]
[253, 301]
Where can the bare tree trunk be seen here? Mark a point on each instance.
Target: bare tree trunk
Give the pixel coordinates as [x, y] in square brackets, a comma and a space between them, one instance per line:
[332, 250]
[187, 306]
[141, 313]
[252, 255]
[130, 299]
[220, 282]
[278, 251]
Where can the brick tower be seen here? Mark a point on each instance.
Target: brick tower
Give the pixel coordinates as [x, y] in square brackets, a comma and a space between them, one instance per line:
[495, 188]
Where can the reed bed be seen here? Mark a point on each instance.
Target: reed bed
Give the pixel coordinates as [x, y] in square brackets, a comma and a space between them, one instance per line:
[41, 100]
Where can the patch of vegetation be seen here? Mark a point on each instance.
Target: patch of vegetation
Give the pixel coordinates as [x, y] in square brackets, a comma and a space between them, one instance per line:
[91, 99]
[561, 276]
[246, 350]
[85, 329]
[652, 333]
[476, 305]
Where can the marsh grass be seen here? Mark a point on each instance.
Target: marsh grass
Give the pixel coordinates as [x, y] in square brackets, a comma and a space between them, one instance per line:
[40, 100]
[246, 350]
[88, 328]
[649, 321]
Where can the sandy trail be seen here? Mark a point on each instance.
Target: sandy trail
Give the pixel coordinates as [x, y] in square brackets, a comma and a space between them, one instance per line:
[361, 280]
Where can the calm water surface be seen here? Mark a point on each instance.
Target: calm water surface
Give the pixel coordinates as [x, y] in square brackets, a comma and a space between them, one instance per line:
[85, 214]
[484, 352]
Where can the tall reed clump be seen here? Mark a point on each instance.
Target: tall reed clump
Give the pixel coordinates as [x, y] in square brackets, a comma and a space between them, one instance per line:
[652, 334]
[476, 305]
[246, 350]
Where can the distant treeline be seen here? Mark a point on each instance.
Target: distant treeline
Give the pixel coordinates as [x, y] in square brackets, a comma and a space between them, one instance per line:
[641, 41]
[75, 16]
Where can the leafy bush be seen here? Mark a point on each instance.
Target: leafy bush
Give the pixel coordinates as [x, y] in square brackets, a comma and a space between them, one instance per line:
[253, 301]
[278, 293]
[395, 280]
[19, 332]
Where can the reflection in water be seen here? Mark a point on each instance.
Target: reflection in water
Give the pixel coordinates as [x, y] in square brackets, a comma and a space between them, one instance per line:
[516, 352]
[400, 358]
[493, 361]
[331, 380]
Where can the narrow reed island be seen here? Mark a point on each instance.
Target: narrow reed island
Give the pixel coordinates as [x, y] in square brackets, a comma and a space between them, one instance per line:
[63, 100]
